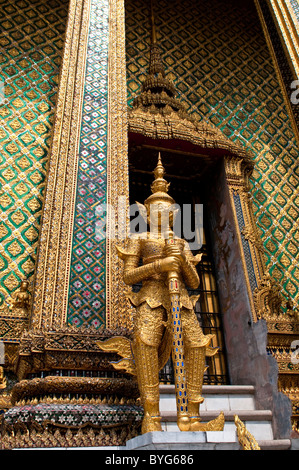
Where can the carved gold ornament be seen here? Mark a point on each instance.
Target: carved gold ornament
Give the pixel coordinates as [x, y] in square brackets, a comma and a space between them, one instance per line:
[245, 438]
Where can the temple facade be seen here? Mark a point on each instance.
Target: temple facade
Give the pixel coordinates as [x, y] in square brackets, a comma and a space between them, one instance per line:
[91, 91]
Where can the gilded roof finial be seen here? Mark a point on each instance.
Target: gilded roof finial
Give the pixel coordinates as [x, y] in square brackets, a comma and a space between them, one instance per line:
[159, 171]
[156, 65]
[158, 93]
[154, 33]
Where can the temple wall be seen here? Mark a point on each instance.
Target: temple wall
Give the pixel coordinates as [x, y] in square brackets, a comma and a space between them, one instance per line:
[32, 40]
[219, 60]
[217, 56]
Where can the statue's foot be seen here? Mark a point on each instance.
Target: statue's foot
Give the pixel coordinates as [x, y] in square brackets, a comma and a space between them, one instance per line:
[216, 424]
[151, 423]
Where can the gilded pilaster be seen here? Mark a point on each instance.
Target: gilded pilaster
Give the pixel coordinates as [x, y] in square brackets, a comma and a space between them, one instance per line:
[117, 306]
[251, 248]
[289, 31]
[293, 60]
[52, 274]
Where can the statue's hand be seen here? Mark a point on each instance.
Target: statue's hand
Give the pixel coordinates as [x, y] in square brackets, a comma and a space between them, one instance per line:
[171, 263]
[174, 250]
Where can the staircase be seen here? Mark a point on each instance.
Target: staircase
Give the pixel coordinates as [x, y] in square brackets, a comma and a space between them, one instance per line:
[232, 400]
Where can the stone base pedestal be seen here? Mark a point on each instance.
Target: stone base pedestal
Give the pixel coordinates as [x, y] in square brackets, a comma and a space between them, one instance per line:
[188, 441]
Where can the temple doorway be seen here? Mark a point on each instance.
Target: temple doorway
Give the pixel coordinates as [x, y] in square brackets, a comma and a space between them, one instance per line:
[189, 176]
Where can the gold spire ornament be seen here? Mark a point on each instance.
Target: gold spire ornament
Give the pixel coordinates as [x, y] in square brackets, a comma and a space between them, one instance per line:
[164, 322]
[158, 93]
[159, 113]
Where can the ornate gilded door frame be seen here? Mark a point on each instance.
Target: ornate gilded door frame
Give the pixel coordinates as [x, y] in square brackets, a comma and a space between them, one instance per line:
[250, 244]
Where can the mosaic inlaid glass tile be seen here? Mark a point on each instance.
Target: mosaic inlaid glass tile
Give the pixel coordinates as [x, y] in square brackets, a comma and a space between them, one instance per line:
[75, 415]
[87, 282]
[217, 56]
[31, 48]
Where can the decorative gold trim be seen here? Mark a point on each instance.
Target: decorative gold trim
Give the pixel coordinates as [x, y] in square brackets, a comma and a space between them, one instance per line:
[294, 18]
[5, 401]
[237, 177]
[245, 438]
[54, 389]
[70, 347]
[267, 298]
[52, 273]
[48, 434]
[288, 31]
[277, 69]
[117, 305]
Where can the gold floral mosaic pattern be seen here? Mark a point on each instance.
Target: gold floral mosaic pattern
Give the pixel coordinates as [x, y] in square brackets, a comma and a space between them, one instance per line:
[216, 54]
[31, 46]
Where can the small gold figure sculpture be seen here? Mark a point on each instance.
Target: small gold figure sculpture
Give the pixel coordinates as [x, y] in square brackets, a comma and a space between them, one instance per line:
[21, 298]
[291, 310]
[164, 323]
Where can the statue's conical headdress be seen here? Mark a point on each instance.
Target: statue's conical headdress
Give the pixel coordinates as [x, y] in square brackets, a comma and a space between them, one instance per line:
[159, 187]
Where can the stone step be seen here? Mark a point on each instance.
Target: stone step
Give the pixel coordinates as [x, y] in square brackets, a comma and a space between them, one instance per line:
[215, 389]
[275, 444]
[257, 422]
[216, 397]
[232, 400]
[191, 441]
[244, 415]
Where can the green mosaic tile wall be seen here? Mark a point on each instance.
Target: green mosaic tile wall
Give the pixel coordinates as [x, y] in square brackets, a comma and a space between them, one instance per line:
[217, 56]
[31, 47]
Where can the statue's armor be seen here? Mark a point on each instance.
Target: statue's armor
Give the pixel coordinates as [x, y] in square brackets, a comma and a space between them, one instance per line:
[154, 289]
[152, 302]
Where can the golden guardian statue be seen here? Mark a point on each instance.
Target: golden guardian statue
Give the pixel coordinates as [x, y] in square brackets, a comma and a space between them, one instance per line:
[164, 321]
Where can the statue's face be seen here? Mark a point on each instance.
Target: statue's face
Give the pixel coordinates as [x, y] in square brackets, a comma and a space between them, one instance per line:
[160, 216]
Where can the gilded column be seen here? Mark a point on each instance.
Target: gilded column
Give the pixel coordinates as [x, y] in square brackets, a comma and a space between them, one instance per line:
[251, 247]
[52, 273]
[117, 306]
[77, 280]
[289, 27]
